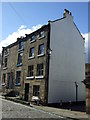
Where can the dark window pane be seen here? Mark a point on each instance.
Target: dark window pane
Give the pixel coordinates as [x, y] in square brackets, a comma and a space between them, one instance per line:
[39, 69]
[41, 34]
[20, 58]
[30, 70]
[18, 76]
[33, 38]
[8, 84]
[20, 45]
[41, 49]
[4, 77]
[31, 52]
[36, 90]
[5, 62]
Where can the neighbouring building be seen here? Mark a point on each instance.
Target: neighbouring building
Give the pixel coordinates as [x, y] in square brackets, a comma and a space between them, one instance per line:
[0, 66]
[87, 85]
[0, 72]
[48, 63]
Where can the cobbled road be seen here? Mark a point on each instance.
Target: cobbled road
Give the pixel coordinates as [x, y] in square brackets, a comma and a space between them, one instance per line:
[16, 110]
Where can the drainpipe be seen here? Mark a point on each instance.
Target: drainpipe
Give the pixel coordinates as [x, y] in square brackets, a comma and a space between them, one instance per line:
[76, 86]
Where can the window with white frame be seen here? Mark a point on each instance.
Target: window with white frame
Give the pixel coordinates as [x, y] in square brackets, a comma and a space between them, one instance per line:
[36, 90]
[6, 51]
[31, 53]
[41, 34]
[30, 70]
[41, 49]
[20, 58]
[33, 38]
[40, 69]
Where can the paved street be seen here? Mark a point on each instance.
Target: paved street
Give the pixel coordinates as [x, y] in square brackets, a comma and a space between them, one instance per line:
[15, 110]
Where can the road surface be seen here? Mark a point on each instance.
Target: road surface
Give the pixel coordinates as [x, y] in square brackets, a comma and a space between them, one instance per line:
[16, 110]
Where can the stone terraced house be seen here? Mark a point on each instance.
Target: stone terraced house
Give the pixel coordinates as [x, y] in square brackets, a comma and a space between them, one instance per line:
[48, 63]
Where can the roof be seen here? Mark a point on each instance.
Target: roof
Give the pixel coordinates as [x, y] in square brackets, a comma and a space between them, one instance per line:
[73, 23]
[44, 26]
[79, 31]
[27, 35]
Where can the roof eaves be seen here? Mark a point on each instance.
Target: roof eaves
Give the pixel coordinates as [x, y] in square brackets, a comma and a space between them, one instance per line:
[79, 31]
[24, 39]
[57, 19]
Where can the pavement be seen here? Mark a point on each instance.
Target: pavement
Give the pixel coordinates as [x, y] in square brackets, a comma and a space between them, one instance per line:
[63, 112]
[75, 115]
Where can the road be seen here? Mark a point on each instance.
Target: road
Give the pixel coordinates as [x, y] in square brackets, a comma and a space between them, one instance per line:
[16, 110]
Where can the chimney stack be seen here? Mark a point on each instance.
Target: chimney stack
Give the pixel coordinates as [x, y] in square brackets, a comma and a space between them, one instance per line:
[67, 13]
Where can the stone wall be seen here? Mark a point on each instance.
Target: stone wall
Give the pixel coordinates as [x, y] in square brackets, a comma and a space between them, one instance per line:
[26, 61]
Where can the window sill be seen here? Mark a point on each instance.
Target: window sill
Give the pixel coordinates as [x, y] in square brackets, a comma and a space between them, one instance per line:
[37, 77]
[32, 77]
[20, 50]
[32, 57]
[31, 41]
[4, 68]
[18, 84]
[6, 55]
[41, 37]
[3, 84]
[18, 65]
[40, 55]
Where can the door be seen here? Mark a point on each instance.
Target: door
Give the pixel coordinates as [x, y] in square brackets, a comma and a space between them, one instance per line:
[26, 91]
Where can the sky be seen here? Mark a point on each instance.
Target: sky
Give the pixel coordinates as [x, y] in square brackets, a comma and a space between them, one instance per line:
[20, 18]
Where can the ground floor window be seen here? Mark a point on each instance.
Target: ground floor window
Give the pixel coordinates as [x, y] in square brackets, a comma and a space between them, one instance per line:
[18, 77]
[8, 78]
[4, 77]
[36, 90]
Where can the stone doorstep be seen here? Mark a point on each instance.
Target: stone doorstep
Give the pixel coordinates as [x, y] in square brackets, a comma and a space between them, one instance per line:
[61, 112]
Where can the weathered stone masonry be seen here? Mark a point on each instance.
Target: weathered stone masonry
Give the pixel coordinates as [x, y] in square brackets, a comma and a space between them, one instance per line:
[12, 59]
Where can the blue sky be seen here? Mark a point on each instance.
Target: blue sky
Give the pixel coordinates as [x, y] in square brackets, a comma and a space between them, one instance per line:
[30, 14]
[20, 18]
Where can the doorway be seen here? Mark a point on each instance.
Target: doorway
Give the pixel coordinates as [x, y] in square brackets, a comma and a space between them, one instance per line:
[26, 91]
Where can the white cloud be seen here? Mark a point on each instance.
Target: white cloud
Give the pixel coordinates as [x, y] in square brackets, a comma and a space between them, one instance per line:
[20, 32]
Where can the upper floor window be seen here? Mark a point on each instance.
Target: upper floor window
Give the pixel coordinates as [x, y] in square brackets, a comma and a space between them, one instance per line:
[20, 58]
[41, 49]
[31, 53]
[30, 70]
[20, 44]
[5, 62]
[41, 34]
[6, 51]
[33, 38]
[18, 77]
[39, 69]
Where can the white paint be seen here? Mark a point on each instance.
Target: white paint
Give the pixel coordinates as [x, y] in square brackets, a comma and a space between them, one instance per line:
[67, 62]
